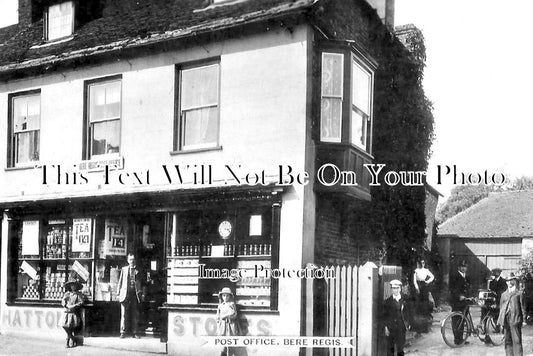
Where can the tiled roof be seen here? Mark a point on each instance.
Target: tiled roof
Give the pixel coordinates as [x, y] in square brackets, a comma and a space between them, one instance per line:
[505, 214]
[133, 23]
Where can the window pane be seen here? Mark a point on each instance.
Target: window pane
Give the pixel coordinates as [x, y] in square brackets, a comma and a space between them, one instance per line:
[332, 74]
[330, 129]
[26, 113]
[361, 88]
[105, 137]
[27, 146]
[104, 101]
[60, 18]
[359, 125]
[200, 128]
[199, 87]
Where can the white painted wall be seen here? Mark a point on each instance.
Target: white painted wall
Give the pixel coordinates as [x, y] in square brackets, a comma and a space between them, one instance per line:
[263, 120]
[262, 115]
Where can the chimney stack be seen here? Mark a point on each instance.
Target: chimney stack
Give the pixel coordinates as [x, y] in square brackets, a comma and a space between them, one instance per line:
[29, 11]
[385, 10]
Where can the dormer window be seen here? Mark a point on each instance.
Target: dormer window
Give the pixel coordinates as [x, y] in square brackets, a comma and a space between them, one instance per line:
[59, 21]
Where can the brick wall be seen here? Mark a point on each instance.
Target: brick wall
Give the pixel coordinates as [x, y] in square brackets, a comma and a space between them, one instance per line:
[341, 238]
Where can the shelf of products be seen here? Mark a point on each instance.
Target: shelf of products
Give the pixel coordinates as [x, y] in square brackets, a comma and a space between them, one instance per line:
[182, 280]
[228, 250]
[42, 277]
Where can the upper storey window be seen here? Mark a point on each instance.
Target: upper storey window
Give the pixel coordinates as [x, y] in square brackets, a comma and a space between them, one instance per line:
[104, 97]
[25, 125]
[346, 99]
[198, 101]
[59, 20]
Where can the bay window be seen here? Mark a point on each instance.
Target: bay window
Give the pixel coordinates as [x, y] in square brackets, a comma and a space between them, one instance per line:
[345, 99]
[24, 128]
[198, 107]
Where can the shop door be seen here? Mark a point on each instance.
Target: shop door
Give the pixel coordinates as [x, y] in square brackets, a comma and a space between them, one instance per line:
[150, 252]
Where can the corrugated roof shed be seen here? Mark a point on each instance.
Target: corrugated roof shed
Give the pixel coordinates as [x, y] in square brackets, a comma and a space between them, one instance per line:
[500, 215]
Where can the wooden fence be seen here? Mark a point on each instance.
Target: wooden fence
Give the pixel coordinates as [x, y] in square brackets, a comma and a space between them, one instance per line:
[353, 298]
[342, 306]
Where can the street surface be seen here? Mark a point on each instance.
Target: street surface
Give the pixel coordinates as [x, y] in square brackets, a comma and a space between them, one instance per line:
[18, 346]
[431, 344]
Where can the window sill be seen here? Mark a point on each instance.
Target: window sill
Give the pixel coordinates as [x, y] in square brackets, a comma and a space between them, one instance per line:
[22, 168]
[34, 303]
[351, 145]
[53, 42]
[198, 150]
[212, 308]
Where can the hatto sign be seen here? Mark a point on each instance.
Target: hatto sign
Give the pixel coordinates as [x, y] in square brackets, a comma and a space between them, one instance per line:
[115, 238]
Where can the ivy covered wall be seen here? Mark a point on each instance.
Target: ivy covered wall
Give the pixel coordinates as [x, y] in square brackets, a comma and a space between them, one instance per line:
[393, 222]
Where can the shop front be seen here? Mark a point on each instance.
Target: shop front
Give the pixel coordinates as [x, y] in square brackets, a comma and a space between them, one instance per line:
[188, 246]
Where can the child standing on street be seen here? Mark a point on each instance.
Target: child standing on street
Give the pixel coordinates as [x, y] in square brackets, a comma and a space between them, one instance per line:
[227, 317]
[72, 301]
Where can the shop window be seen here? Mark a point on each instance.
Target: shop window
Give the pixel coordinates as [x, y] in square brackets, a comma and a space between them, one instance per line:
[198, 107]
[222, 241]
[346, 110]
[103, 118]
[59, 20]
[48, 253]
[24, 128]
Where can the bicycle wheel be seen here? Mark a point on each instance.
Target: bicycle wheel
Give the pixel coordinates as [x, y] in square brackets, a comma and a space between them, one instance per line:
[493, 331]
[454, 329]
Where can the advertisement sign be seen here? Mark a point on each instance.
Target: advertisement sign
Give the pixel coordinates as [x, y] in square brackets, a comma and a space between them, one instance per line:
[81, 238]
[115, 238]
[30, 237]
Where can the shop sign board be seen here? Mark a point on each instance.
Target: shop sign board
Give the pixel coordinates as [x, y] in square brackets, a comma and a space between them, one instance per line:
[206, 325]
[115, 238]
[32, 318]
[82, 232]
[30, 237]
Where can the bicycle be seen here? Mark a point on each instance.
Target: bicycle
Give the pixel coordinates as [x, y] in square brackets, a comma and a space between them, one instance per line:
[460, 323]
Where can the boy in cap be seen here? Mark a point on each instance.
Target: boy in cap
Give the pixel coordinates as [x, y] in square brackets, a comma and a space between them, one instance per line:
[396, 314]
[512, 312]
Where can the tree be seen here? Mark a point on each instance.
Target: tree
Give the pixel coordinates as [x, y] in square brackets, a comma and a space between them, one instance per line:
[461, 198]
[464, 196]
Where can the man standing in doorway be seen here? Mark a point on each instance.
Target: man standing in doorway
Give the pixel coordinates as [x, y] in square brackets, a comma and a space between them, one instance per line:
[130, 296]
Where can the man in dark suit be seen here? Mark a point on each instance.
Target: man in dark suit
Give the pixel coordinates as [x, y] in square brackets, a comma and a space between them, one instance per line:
[130, 296]
[498, 284]
[512, 312]
[459, 290]
[396, 316]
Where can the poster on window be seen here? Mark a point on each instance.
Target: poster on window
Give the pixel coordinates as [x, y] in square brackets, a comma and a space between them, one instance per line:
[30, 237]
[115, 238]
[81, 237]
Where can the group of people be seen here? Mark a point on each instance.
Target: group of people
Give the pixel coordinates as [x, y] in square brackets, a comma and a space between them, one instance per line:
[509, 298]
[398, 311]
[131, 294]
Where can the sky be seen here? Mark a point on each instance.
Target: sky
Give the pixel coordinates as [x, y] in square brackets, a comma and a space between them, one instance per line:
[479, 74]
